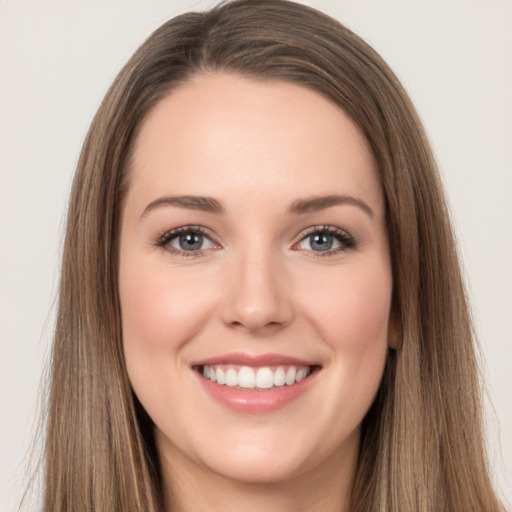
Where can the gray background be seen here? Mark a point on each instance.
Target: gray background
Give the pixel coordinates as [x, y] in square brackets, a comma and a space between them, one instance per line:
[56, 62]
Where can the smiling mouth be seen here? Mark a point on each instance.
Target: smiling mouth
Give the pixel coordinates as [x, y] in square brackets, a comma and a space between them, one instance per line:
[262, 378]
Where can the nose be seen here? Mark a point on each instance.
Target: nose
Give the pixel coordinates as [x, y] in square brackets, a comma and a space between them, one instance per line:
[257, 297]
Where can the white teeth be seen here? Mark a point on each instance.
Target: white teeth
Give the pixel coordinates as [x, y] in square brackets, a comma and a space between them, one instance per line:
[279, 377]
[221, 376]
[301, 374]
[264, 378]
[246, 377]
[231, 377]
[251, 378]
[290, 375]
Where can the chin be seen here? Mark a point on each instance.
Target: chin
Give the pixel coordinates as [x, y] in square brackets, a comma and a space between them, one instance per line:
[271, 456]
[261, 469]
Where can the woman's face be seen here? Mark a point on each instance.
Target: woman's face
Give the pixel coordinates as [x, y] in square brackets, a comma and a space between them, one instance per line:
[254, 251]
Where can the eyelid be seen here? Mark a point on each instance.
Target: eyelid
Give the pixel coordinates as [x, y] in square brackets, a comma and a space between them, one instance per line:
[163, 240]
[344, 237]
[346, 240]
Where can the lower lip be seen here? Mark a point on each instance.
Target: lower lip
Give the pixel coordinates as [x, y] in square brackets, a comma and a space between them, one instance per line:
[255, 401]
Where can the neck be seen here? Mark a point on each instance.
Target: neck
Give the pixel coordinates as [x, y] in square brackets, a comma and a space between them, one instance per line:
[189, 487]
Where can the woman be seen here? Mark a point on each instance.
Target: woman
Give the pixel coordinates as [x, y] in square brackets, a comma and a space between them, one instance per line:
[256, 200]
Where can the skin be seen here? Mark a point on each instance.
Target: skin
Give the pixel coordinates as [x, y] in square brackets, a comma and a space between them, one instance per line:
[257, 286]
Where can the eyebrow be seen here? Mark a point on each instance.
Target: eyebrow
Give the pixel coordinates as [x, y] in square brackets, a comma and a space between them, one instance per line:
[298, 207]
[323, 202]
[204, 204]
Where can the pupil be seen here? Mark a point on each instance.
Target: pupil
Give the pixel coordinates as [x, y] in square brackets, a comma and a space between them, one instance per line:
[191, 241]
[321, 242]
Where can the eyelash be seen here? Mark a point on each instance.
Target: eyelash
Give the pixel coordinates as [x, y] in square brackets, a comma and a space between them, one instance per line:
[346, 240]
[164, 240]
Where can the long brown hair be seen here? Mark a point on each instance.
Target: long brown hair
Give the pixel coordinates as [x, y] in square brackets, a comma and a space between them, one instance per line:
[422, 447]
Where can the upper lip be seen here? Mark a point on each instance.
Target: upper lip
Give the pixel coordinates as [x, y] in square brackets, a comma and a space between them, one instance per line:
[243, 359]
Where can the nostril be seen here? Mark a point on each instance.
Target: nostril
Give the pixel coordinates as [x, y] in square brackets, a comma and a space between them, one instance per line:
[257, 302]
[260, 328]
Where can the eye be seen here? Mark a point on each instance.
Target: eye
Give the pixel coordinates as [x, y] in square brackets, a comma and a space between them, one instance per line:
[190, 242]
[186, 241]
[319, 242]
[326, 239]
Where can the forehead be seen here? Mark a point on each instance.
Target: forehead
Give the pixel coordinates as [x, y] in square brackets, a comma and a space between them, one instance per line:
[221, 132]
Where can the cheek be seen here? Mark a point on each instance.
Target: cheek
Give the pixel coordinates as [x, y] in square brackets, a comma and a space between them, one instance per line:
[363, 311]
[353, 321]
[161, 311]
[361, 306]
[350, 306]
[351, 312]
